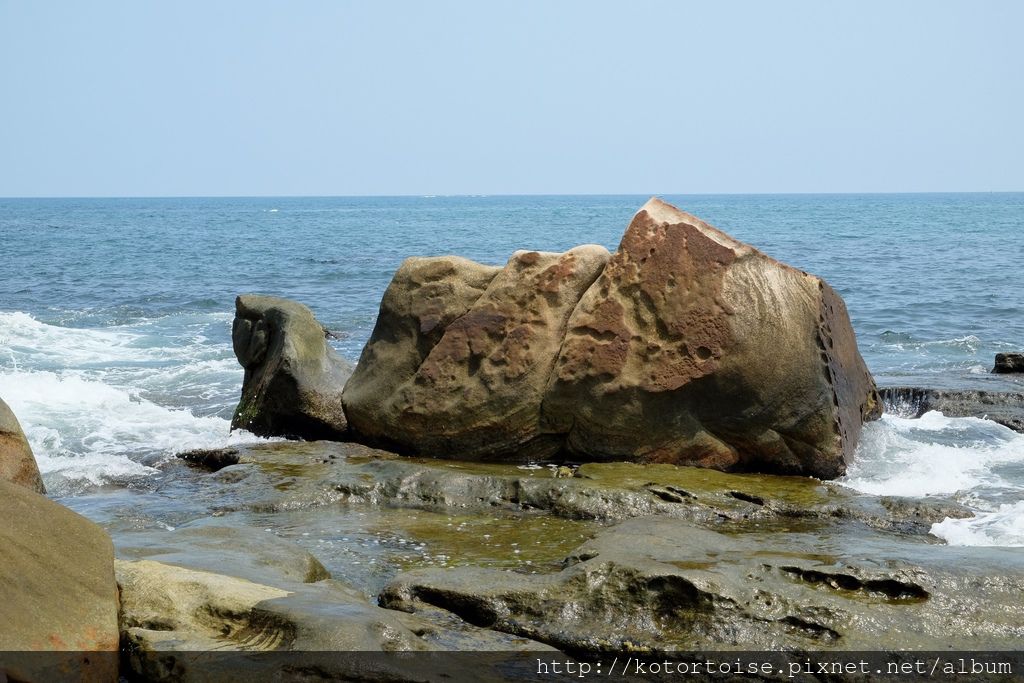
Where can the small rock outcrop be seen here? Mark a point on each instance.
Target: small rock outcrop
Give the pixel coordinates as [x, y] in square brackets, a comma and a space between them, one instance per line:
[293, 378]
[685, 346]
[1009, 363]
[17, 464]
[59, 592]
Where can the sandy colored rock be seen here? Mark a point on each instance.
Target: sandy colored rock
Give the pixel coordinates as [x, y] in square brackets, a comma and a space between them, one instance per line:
[694, 348]
[424, 297]
[17, 464]
[293, 378]
[477, 393]
[57, 586]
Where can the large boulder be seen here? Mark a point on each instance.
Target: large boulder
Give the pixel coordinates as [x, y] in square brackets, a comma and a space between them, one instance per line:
[477, 392]
[694, 348]
[293, 378]
[58, 590]
[17, 463]
[425, 296]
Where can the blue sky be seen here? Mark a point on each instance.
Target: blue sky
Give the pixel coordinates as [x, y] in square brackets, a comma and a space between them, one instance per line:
[377, 97]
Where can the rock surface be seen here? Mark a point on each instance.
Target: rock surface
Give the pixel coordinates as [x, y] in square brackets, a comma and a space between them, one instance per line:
[17, 464]
[1003, 407]
[695, 348]
[477, 392]
[660, 585]
[685, 346]
[1009, 363]
[58, 589]
[293, 378]
[425, 296]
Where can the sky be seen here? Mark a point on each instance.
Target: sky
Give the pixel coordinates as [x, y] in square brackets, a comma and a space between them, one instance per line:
[379, 97]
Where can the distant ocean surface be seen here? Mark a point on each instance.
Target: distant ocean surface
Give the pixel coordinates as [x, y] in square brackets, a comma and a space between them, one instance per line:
[115, 314]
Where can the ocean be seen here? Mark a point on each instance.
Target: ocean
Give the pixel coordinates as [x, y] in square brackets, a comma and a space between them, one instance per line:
[115, 316]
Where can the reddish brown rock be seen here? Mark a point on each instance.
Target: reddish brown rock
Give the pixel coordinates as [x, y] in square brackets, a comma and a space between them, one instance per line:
[694, 348]
[477, 393]
[17, 464]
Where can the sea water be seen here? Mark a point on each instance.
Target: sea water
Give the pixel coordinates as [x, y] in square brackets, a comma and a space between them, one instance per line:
[115, 314]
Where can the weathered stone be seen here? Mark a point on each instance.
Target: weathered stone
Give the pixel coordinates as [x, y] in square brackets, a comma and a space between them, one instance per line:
[694, 348]
[425, 296]
[1003, 407]
[293, 378]
[660, 585]
[17, 464]
[57, 587]
[1009, 363]
[477, 392]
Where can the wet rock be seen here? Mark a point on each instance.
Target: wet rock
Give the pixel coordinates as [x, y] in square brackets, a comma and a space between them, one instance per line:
[658, 585]
[17, 464]
[293, 378]
[58, 585]
[477, 392]
[1003, 407]
[664, 358]
[1009, 363]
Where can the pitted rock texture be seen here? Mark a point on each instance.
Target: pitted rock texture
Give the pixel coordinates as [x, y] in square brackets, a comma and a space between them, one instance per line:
[478, 390]
[293, 378]
[425, 296]
[693, 348]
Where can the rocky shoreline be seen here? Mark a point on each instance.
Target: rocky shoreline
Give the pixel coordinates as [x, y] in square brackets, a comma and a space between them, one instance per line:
[644, 492]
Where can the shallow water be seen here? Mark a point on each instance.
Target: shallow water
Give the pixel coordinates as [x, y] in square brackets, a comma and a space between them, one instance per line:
[115, 317]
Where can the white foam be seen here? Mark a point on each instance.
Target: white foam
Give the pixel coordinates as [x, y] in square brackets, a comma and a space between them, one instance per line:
[84, 431]
[1001, 527]
[932, 455]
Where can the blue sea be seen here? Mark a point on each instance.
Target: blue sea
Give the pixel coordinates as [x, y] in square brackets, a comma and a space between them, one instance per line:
[115, 314]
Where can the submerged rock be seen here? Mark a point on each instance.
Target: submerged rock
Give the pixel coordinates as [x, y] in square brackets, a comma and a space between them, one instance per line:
[1009, 363]
[694, 348]
[17, 464]
[1003, 407]
[58, 589]
[293, 378]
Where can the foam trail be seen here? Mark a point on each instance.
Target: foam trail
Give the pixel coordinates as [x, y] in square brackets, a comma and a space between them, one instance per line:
[1001, 527]
[977, 462]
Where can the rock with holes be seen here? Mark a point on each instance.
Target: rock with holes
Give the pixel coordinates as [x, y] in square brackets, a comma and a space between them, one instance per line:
[293, 378]
[1007, 363]
[694, 348]
[425, 296]
[58, 592]
[471, 386]
[655, 584]
[17, 464]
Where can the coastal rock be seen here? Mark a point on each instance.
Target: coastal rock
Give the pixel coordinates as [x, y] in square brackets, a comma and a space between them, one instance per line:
[58, 585]
[425, 296]
[1009, 363]
[17, 464]
[659, 585]
[477, 393]
[694, 348]
[293, 378]
[1003, 407]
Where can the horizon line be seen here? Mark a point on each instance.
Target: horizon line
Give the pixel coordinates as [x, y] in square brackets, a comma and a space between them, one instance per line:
[508, 194]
